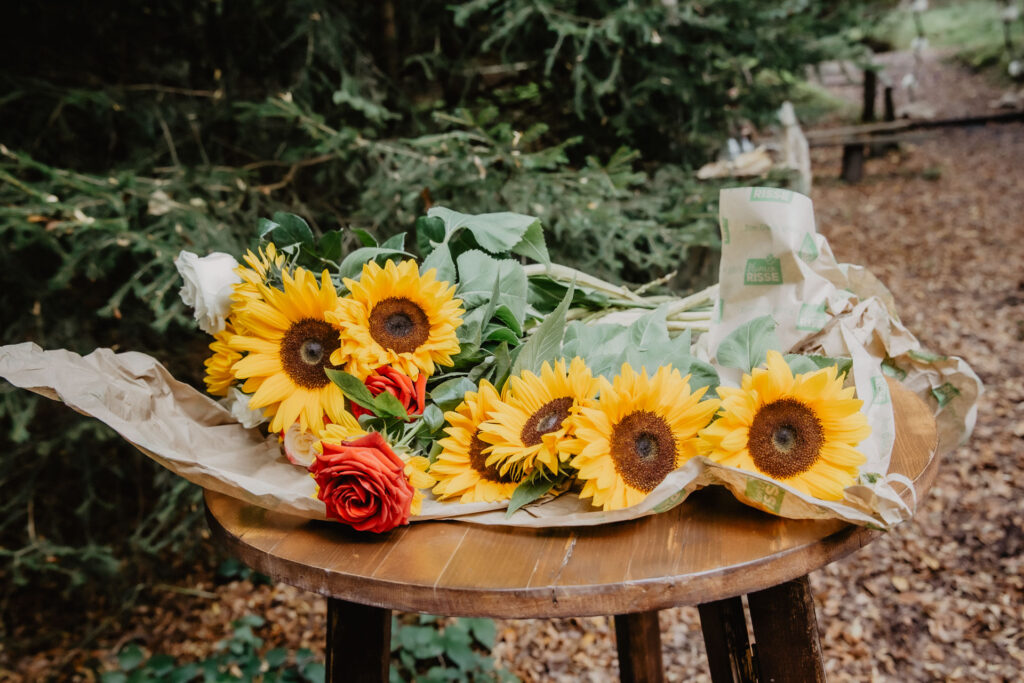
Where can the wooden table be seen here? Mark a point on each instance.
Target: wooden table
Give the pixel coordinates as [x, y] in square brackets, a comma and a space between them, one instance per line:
[708, 551]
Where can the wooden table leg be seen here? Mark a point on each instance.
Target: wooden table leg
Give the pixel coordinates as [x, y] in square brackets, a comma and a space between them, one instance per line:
[358, 642]
[725, 638]
[786, 633]
[639, 643]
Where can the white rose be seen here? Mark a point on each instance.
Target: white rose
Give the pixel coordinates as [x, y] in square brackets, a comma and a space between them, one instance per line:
[207, 289]
[299, 446]
[238, 403]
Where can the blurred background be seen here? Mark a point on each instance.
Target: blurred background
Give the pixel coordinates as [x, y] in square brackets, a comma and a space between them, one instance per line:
[130, 131]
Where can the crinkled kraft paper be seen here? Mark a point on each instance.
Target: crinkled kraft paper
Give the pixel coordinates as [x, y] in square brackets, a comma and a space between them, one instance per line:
[773, 263]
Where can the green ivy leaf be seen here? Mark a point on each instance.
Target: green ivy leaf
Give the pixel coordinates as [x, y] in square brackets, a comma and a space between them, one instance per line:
[546, 342]
[747, 346]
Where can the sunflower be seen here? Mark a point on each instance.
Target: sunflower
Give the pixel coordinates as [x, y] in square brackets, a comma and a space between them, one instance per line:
[219, 377]
[261, 266]
[802, 430]
[640, 429]
[289, 343]
[461, 469]
[397, 317]
[528, 428]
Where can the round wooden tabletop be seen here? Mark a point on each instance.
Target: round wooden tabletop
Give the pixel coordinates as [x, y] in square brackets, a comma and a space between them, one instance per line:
[708, 548]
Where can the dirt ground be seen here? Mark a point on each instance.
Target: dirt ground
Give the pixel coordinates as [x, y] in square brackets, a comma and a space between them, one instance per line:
[938, 598]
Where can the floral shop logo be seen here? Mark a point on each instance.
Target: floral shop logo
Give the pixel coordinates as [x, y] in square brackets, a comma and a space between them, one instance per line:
[763, 271]
[770, 194]
[879, 391]
[808, 249]
[944, 394]
[763, 493]
[812, 318]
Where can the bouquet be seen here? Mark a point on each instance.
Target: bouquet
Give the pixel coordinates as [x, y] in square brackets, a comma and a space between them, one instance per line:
[478, 380]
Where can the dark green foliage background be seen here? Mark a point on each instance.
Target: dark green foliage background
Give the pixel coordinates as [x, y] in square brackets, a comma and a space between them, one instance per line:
[130, 131]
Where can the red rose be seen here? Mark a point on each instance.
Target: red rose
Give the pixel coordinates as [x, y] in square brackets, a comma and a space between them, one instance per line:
[412, 395]
[363, 484]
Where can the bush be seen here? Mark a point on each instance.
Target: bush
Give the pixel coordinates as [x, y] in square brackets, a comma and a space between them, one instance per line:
[146, 135]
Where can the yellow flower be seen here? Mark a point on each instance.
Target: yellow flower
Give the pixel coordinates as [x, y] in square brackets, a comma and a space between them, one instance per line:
[395, 316]
[802, 430]
[261, 264]
[416, 470]
[528, 428]
[461, 469]
[219, 377]
[289, 342]
[640, 429]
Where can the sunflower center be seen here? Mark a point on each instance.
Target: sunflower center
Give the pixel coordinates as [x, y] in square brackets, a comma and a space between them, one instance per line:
[548, 419]
[306, 350]
[785, 438]
[478, 461]
[399, 325]
[643, 449]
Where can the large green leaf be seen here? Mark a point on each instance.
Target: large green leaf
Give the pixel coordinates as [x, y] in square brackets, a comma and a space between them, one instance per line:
[644, 344]
[494, 232]
[545, 343]
[747, 346]
[440, 259]
[481, 275]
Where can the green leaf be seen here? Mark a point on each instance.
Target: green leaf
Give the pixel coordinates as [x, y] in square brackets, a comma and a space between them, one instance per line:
[440, 259]
[130, 657]
[291, 229]
[433, 416]
[501, 334]
[449, 394]
[480, 276]
[265, 226]
[546, 342]
[365, 238]
[502, 365]
[330, 245]
[386, 404]
[527, 492]
[353, 263]
[494, 232]
[505, 315]
[353, 388]
[747, 346]
[483, 630]
[532, 245]
[801, 364]
[429, 232]
[396, 242]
